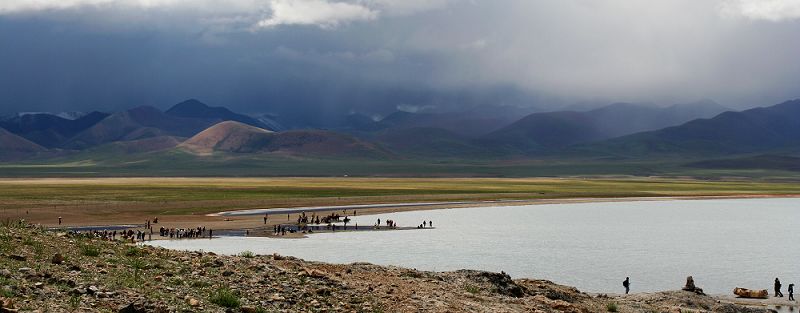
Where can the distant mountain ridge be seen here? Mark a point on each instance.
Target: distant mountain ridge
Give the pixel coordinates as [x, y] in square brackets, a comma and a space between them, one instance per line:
[765, 129]
[137, 123]
[540, 132]
[50, 130]
[195, 109]
[610, 132]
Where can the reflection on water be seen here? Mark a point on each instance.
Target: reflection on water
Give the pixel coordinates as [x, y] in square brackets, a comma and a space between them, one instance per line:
[593, 246]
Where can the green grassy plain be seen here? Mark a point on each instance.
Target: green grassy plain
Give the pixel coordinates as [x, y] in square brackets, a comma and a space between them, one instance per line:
[107, 198]
[224, 189]
[175, 163]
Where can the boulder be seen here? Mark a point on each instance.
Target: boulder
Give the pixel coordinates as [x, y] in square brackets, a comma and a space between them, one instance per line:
[691, 287]
[751, 293]
[57, 259]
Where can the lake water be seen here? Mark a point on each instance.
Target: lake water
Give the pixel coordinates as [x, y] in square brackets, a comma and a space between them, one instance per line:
[723, 243]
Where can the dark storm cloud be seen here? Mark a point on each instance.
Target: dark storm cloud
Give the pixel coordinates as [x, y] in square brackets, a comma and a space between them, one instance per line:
[321, 58]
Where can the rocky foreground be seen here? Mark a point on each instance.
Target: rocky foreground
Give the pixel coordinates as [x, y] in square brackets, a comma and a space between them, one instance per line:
[43, 271]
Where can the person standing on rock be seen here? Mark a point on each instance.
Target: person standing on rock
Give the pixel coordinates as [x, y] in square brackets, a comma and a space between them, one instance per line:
[778, 292]
[627, 284]
[790, 290]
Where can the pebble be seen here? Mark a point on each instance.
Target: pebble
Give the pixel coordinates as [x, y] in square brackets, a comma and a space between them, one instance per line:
[192, 302]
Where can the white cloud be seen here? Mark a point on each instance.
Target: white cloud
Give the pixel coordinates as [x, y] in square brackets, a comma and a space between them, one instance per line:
[771, 10]
[400, 7]
[207, 6]
[320, 13]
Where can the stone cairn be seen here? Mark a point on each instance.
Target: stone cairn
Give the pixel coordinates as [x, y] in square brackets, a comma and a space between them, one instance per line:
[691, 287]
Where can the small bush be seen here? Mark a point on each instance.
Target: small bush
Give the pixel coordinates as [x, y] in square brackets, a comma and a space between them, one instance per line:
[137, 265]
[74, 302]
[247, 254]
[89, 250]
[225, 298]
[472, 289]
[38, 249]
[133, 251]
[612, 307]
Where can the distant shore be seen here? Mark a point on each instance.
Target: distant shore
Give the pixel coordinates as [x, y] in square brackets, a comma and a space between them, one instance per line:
[249, 222]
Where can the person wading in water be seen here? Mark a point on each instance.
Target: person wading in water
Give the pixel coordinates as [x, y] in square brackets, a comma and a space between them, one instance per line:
[627, 284]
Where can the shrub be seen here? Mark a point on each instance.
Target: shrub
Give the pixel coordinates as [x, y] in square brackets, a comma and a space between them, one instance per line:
[611, 307]
[247, 254]
[89, 250]
[225, 298]
[137, 265]
[133, 251]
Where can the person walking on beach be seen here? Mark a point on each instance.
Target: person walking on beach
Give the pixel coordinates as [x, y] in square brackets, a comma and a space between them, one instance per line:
[790, 290]
[59, 220]
[627, 284]
[265, 219]
[778, 292]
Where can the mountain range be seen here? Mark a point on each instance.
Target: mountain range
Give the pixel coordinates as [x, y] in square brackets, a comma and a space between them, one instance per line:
[759, 130]
[700, 131]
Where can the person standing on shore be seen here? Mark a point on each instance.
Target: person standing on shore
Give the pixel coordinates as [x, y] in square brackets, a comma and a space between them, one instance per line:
[59, 220]
[627, 284]
[778, 292]
[790, 290]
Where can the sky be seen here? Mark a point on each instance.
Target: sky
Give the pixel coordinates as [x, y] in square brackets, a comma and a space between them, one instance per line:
[325, 57]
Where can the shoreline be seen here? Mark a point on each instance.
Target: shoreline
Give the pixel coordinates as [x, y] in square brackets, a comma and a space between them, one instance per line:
[388, 208]
[76, 273]
[244, 220]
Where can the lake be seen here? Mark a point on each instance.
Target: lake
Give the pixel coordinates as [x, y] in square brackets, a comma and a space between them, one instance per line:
[723, 243]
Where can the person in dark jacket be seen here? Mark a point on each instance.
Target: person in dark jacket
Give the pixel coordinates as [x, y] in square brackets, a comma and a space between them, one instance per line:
[627, 284]
[778, 292]
[790, 290]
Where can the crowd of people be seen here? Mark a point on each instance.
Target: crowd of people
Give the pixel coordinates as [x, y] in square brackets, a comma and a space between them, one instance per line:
[181, 233]
[111, 235]
[139, 235]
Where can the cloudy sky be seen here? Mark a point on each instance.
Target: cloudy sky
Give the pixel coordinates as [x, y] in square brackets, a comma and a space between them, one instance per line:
[373, 56]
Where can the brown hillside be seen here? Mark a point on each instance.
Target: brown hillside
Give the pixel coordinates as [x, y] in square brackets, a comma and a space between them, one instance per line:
[237, 137]
[137, 123]
[13, 146]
